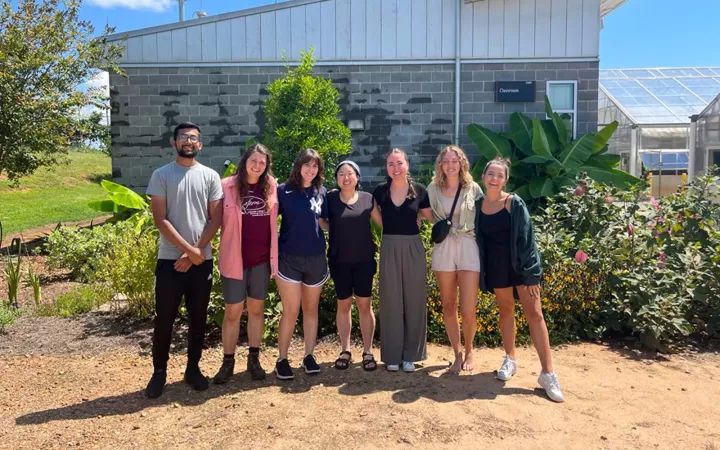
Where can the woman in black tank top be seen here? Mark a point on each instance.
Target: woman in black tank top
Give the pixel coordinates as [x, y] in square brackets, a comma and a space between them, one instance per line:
[511, 264]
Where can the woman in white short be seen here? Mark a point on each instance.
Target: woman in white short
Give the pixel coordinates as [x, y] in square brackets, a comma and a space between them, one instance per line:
[456, 261]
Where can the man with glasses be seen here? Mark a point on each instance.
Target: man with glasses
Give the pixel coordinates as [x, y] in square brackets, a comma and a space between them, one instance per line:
[187, 209]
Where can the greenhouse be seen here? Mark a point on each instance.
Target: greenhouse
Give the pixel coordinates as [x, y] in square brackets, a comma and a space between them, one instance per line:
[707, 150]
[655, 108]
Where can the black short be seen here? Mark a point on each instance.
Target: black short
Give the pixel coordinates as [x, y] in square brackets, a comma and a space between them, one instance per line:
[311, 270]
[353, 277]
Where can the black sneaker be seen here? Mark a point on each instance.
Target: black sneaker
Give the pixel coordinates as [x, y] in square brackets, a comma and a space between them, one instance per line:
[310, 365]
[155, 387]
[254, 367]
[283, 370]
[226, 371]
[196, 379]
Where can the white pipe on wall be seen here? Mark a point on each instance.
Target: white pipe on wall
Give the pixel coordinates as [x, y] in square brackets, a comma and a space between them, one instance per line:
[457, 72]
[692, 148]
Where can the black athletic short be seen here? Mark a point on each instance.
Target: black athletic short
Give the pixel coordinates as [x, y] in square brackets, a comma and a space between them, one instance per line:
[353, 277]
[311, 270]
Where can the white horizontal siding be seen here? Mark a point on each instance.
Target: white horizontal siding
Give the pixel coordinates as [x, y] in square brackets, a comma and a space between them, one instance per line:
[383, 29]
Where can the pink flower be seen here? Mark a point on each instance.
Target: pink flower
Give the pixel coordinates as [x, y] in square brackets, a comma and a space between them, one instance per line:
[661, 260]
[579, 191]
[631, 229]
[581, 257]
[654, 203]
[608, 199]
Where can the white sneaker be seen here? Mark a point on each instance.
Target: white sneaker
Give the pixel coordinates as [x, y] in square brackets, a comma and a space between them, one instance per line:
[392, 367]
[408, 366]
[550, 383]
[508, 369]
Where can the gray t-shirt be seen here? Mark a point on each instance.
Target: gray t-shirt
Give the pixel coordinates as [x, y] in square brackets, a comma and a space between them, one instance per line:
[187, 191]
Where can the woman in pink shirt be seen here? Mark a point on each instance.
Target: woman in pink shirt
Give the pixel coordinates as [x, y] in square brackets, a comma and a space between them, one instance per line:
[248, 254]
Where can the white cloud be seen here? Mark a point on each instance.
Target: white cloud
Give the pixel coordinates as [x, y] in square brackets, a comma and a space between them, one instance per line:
[152, 5]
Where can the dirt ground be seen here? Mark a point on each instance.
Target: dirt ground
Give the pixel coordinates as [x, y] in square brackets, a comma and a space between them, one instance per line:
[79, 383]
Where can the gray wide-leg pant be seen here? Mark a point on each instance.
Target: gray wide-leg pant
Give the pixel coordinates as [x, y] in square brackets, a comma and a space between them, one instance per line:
[403, 299]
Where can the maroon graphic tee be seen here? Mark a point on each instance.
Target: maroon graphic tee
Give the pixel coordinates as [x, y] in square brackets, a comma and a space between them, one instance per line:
[255, 228]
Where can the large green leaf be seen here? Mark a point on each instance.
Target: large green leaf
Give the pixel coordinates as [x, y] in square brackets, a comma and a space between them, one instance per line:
[548, 107]
[106, 206]
[523, 191]
[615, 177]
[123, 196]
[605, 160]
[578, 151]
[562, 131]
[552, 136]
[478, 168]
[521, 130]
[229, 170]
[489, 143]
[541, 142]
[129, 200]
[542, 187]
[604, 136]
[536, 159]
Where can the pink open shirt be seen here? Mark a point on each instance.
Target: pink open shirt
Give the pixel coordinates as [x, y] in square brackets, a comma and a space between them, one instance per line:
[231, 234]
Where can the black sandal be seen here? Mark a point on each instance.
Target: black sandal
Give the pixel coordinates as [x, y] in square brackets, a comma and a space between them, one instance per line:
[343, 362]
[369, 363]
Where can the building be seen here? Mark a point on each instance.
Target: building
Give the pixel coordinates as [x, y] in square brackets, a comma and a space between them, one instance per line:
[707, 143]
[658, 111]
[411, 73]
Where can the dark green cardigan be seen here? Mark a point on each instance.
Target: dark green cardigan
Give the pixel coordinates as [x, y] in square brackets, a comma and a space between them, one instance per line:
[523, 251]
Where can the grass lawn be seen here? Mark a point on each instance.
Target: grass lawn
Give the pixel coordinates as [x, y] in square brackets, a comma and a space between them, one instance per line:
[56, 194]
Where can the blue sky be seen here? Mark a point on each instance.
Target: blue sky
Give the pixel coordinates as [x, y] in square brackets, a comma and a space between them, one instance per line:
[641, 33]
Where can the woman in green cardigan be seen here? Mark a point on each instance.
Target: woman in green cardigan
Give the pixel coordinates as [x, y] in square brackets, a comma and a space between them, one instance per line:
[511, 265]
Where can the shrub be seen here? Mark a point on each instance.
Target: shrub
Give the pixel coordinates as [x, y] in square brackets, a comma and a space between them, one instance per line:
[80, 300]
[8, 315]
[81, 250]
[302, 112]
[128, 269]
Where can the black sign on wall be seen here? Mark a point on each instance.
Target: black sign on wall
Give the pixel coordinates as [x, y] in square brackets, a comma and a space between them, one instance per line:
[514, 91]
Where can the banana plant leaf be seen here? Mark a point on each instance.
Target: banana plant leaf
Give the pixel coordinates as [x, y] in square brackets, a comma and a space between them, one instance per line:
[123, 196]
[604, 136]
[106, 206]
[542, 187]
[489, 143]
[616, 177]
[521, 128]
[578, 151]
[541, 143]
[604, 160]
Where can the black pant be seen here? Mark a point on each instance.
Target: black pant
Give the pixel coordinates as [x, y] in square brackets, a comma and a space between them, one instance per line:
[170, 287]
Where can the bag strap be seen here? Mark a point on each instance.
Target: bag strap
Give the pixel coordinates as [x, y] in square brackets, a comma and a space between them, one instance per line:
[457, 195]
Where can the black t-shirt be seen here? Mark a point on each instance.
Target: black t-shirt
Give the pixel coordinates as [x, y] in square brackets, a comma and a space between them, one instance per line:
[401, 219]
[351, 238]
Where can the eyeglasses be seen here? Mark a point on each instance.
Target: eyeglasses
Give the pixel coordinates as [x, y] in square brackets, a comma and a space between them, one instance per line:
[189, 138]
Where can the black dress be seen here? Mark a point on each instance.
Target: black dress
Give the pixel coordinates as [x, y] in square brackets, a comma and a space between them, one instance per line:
[495, 230]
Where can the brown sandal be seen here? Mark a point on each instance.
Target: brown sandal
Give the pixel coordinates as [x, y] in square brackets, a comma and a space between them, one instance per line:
[369, 364]
[343, 362]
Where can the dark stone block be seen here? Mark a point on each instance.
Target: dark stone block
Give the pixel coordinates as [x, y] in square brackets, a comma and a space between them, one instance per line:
[416, 100]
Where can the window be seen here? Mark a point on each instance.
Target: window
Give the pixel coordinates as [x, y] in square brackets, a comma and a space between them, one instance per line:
[563, 98]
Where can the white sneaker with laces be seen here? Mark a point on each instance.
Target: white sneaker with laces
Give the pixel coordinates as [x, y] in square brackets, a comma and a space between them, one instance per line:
[392, 367]
[508, 369]
[408, 366]
[550, 383]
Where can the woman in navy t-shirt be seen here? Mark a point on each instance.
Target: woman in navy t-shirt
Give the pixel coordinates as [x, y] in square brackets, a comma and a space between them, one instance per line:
[302, 264]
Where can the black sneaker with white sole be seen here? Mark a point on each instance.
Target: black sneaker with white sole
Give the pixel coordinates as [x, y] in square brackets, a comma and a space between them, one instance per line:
[283, 370]
[310, 365]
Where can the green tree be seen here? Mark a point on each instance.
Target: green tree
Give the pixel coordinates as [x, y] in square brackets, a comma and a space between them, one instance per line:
[91, 130]
[302, 112]
[46, 52]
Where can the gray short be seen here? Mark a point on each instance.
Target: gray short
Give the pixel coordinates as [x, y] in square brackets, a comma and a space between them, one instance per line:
[254, 284]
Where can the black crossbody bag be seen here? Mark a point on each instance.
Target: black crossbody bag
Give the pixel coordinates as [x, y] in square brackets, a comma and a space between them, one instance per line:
[442, 228]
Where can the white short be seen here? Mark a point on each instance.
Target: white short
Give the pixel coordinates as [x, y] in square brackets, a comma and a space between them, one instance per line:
[456, 253]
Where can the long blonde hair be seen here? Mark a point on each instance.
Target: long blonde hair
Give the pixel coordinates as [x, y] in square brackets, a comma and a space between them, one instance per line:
[465, 175]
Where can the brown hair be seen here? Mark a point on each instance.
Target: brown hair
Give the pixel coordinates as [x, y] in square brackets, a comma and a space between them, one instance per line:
[465, 176]
[388, 180]
[304, 157]
[499, 161]
[241, 172]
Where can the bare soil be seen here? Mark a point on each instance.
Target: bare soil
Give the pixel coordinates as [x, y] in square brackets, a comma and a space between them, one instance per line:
[79, 383]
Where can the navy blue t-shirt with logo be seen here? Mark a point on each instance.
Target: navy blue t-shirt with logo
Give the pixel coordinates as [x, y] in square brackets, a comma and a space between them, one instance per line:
[300, 209]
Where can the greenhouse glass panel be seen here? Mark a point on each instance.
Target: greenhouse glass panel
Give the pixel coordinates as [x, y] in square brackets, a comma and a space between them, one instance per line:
[679, 72]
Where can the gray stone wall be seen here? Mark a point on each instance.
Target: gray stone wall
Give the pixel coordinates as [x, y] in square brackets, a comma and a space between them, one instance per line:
[407, 106]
